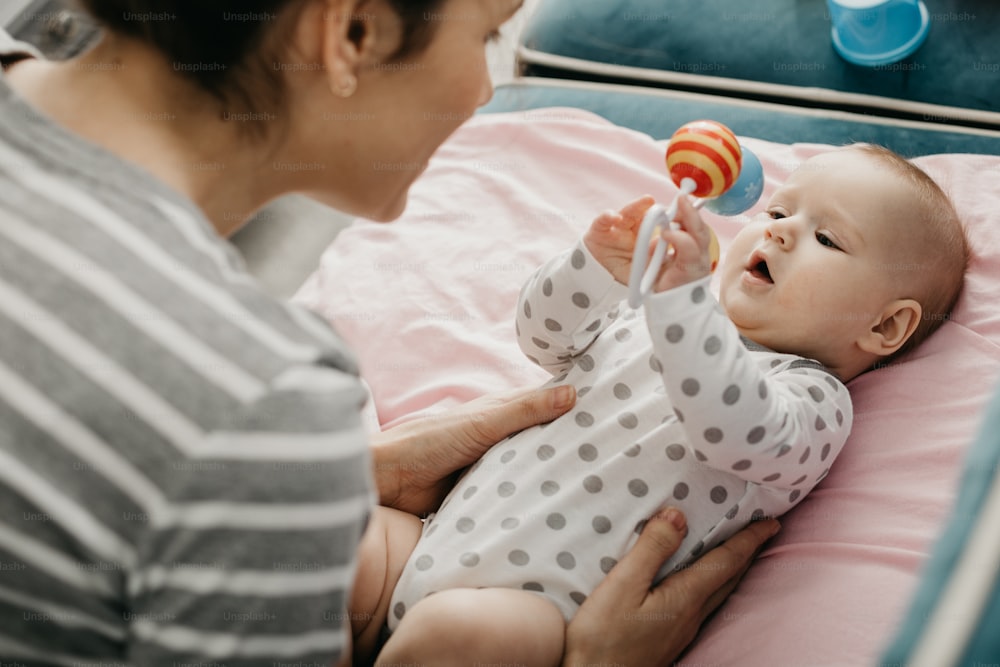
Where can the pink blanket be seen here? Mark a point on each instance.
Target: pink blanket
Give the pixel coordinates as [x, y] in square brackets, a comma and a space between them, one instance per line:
[427, 302]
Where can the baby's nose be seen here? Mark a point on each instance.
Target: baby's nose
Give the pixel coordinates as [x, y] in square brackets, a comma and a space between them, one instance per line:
[774, 233]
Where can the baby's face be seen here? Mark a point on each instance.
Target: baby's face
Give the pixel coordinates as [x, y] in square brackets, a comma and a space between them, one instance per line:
[814, 270]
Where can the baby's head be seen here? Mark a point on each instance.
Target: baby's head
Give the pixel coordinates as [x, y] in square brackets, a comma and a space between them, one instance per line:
[859, 257]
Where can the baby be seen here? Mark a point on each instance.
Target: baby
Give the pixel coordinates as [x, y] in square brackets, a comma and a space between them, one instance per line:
[730, 410]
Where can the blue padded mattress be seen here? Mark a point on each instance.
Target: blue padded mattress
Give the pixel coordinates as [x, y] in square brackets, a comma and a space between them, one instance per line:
[778, 50]
[659, 112]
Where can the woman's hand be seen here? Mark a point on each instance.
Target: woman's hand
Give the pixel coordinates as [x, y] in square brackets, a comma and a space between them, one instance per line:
[416, 462]
[625, 622]
[611, 237]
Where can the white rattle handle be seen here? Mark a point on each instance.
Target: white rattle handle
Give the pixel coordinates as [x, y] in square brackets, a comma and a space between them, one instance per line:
[642, 276]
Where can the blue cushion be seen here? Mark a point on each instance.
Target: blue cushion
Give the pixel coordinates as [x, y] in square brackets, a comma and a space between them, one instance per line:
[660, 112]
[771, 49]
[935, 633]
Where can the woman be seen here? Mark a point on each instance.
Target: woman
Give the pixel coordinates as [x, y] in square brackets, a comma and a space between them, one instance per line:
[183, 473]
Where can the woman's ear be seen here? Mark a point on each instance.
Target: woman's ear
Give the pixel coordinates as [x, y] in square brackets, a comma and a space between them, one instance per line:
[344, 31]
[897, 322]
[355, 33]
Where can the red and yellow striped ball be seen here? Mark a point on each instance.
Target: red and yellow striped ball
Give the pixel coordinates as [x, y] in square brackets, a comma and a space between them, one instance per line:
[708, 153]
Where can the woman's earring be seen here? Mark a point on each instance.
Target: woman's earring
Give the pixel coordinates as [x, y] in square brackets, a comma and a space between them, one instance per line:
[345, 85]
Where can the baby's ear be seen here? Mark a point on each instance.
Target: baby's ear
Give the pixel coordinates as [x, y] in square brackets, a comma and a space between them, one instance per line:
[897, 322]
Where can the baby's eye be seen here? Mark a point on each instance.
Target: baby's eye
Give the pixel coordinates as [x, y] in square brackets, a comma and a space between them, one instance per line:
[776, 215]
[825, 240]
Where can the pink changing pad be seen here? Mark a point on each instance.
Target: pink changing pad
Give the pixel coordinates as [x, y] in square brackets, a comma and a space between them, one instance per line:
[427, 302]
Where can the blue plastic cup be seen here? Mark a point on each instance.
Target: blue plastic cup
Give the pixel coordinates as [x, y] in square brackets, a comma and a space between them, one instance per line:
[877, 32]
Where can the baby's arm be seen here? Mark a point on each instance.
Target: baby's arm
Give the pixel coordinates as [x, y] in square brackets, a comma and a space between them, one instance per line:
[780, 426]
[572, 298]
[564, 306]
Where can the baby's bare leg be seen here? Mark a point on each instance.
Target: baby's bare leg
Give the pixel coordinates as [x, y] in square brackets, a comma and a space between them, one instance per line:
[464, 626]
[384, 550]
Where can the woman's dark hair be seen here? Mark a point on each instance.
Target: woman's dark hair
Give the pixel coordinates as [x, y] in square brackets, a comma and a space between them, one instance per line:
[223, 45]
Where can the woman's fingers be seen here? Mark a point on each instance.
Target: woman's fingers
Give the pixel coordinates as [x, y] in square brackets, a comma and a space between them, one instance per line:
[414, 461]
[495, 416]
[463, 434]
[713, 576]
[659, 540]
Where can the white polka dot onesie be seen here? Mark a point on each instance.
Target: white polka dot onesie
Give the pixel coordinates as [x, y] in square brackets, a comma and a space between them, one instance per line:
[674, 408]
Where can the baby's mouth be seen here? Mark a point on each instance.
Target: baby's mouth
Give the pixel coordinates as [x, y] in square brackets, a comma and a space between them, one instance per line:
[760, 270]
[757, 267]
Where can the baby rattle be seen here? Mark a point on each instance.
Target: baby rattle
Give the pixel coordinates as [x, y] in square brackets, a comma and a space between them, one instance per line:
[704, 159]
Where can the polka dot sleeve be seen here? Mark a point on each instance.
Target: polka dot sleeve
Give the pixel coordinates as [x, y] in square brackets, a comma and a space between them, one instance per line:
[773, 419]
[564, 306]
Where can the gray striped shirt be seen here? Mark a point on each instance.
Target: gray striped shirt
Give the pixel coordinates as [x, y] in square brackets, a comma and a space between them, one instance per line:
[184, 477]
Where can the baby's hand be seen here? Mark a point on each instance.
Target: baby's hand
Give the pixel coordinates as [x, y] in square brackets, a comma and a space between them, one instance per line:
[690, 259]
[611, 237]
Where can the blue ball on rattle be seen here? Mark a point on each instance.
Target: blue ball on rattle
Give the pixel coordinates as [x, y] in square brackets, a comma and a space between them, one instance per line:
[745, 192]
